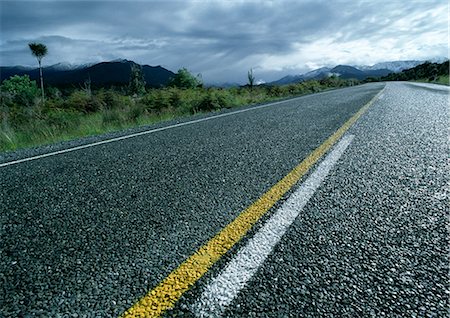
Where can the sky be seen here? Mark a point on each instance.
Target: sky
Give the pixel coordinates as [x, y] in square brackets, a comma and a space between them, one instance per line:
[222, 40]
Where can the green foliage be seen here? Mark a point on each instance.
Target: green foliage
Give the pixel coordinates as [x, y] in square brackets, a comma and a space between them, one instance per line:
[156, 100]
[426, 71]
[62, 119]
[134, 113]
[184, 79]
[20, 89]
[214, 99]
[73, 113]
[443, 79]
[112, 117]
[83, 102]
[108, 99]
[275, 91]
[38, 50]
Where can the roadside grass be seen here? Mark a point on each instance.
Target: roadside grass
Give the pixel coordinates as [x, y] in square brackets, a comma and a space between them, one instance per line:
[80, 114]
[445, 80]
[442, 80]
[89, 125]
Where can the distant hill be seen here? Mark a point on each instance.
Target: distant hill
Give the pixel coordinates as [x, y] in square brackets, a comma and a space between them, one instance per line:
[101, 74]
[358, 72]
[318, 73]
[289, 79]
[346, 71]
[342, 71]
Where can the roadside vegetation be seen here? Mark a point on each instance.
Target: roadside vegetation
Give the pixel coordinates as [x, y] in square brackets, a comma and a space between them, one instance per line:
[428, 72]
[28, 120]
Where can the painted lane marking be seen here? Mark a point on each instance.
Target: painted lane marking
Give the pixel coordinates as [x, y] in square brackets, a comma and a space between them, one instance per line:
[146, 132]
[169, 290]
[221, 291]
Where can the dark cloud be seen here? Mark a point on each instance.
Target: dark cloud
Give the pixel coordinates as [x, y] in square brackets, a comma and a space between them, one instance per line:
[223, 39]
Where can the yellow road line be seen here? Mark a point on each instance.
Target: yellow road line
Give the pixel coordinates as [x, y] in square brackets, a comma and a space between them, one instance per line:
[168, 292]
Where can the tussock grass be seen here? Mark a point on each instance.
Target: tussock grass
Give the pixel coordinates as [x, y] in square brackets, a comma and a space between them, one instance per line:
[80, 114]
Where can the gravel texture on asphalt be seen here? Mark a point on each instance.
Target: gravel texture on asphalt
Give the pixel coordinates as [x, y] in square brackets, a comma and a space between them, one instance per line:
[86, 233]
[373, 241]
[221, 291]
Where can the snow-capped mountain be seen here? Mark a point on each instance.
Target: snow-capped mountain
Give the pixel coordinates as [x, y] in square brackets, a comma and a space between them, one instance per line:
[317, 72]
[66, 66]
[342, 71]
[358, 72]
[394, 66]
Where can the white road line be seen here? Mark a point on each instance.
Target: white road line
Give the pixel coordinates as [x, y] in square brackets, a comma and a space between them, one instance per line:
[221, 291]
[144, 133]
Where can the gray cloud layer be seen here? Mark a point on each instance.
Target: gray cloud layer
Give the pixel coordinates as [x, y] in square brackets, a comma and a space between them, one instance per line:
[223, 39]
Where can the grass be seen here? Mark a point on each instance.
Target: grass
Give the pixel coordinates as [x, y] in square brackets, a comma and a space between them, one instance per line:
[81, 115]
[442, 80]
[90, 125]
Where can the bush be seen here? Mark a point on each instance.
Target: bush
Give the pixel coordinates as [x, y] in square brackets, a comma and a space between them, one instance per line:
[275, 91]
[62, 119]
[21, 89]
[83, 102]
[184, 79]
[68, 113]
[214, 100]
[156, 100]
[108, 99]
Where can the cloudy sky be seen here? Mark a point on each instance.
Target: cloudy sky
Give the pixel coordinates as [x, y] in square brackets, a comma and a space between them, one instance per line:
[222, 40]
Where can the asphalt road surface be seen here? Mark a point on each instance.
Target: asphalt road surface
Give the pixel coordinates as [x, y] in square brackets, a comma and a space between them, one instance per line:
[87, 233]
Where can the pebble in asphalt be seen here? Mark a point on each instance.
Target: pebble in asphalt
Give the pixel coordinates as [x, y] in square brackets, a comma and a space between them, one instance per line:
[86, 233]
[373, 241]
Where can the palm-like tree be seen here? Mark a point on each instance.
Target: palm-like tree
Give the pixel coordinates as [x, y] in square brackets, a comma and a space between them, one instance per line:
[39, 50]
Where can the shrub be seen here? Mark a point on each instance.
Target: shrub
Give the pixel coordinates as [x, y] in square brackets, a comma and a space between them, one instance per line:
[62, 119]
[214, 100]
[156, 100]
[83, 102]
[108, 99]
[184, 79]
[275, 91]
[53, 93]
[21, 89]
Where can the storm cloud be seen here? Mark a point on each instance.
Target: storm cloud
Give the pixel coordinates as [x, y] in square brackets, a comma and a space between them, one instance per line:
[222, 40]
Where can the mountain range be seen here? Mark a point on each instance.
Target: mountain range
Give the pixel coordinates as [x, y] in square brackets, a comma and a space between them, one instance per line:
[347, 71]
[116, 72]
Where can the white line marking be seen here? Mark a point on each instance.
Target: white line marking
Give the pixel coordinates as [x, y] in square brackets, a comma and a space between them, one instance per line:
[221, 291]
[146, 132]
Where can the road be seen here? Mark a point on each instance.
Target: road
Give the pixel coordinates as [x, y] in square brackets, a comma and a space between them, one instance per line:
[89, 232]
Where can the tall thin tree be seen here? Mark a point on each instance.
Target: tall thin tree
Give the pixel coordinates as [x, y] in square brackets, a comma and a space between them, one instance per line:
[39, 50]
[251, 79]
